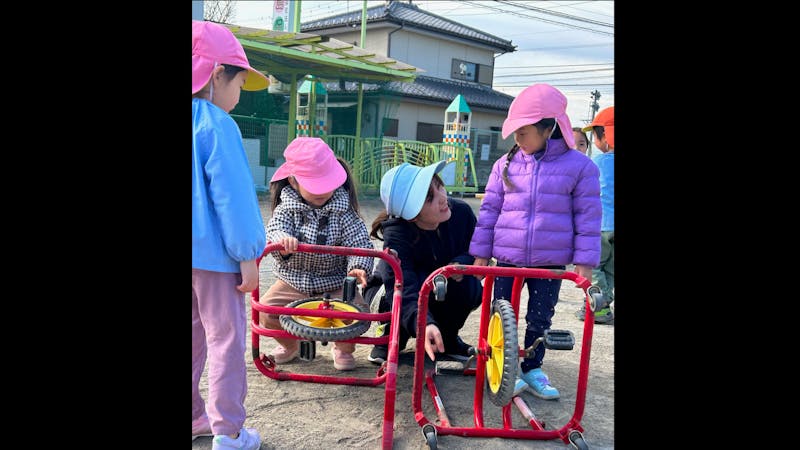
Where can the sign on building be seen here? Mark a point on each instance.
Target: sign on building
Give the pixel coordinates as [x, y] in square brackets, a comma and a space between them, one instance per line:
[282, 16]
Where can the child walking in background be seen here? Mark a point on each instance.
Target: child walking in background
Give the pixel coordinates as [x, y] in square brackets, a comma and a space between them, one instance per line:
[541, 209]
[227, 236]
[314, 201]
[581, 141]
[602, 128]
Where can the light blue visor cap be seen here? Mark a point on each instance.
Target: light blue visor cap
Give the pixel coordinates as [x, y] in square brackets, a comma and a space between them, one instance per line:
[405, 187]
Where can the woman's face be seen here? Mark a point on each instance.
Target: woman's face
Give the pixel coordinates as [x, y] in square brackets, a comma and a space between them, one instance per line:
[434, 211]
[529, 139]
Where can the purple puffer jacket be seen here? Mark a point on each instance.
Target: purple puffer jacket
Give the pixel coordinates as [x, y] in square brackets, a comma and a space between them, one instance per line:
[551, 214]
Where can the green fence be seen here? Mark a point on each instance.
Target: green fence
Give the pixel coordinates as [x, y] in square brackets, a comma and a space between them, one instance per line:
[369, 158]
[375, 156]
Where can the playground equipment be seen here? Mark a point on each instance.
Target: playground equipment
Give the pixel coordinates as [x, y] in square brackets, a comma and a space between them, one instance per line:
[331, 319]
[312, 108]
[497, 357]
[455, 142]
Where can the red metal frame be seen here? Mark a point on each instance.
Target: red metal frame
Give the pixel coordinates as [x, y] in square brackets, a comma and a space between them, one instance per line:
[387, 373]
[479, 430]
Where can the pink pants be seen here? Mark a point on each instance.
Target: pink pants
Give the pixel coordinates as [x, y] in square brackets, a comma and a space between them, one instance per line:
[218, 333]
[281, 294]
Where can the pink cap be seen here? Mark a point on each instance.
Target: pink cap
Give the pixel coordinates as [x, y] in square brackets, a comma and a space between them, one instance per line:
[537, 102]
[214, 44]
[313, 165]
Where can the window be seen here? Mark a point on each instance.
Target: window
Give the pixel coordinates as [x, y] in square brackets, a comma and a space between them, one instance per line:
[390, 126]
[485, 74]
[429, 132]
[464, 70]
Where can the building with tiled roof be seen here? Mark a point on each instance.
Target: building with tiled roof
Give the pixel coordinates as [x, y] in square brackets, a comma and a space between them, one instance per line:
[456, 59]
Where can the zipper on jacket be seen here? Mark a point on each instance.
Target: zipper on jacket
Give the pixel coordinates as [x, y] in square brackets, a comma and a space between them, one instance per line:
[534, 183]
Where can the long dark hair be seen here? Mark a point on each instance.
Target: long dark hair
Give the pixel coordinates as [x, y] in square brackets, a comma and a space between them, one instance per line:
[541, 126]
[349, 185]
[377, 228]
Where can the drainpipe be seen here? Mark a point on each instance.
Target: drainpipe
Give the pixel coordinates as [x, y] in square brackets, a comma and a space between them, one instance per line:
[389, 50]
[389, 54]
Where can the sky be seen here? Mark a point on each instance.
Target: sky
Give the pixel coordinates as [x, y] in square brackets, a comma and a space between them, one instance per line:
[568, 44]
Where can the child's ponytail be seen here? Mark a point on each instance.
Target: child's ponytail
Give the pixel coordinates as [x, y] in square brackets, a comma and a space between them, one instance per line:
[509, 155]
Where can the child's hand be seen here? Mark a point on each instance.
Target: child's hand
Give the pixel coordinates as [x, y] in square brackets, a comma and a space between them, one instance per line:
[433, 341]
[289, 245]
[584, 271]
[456, 276]
[360, 275]
[480, 262]
[249, 271]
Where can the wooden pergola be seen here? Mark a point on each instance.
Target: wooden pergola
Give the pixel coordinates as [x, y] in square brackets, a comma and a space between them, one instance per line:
[291, 56]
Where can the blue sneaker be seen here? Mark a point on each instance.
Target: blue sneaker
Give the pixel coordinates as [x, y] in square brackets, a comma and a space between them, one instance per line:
[520, 386]
[537, 383]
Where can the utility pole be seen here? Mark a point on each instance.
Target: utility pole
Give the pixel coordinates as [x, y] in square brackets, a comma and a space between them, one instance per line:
[594, 106]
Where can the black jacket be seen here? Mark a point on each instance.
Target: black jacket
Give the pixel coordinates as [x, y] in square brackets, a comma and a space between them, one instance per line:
[421, 252]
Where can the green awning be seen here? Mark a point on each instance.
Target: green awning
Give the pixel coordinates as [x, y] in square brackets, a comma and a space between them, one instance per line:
[287, 55]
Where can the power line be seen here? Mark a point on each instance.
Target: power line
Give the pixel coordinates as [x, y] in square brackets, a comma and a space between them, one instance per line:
[557, 14]
[551, 73]
[528, 84]
[553, 65]
[541, 19]
[572, 6]
[563, 47]
[545, 79]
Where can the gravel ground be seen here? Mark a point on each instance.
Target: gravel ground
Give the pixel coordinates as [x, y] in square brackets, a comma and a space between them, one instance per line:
[298, 415]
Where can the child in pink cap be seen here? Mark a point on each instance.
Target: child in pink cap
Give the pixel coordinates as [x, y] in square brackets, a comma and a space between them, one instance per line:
[314, 201]
[541, 209]
[227, 236]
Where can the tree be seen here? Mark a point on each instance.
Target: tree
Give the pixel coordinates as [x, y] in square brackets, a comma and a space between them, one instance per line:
[219, 11]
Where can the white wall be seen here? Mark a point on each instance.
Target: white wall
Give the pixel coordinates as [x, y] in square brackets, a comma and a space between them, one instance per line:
[435, 55]
[252, 148]
[377, 39]
[409, 114]
[427, 52]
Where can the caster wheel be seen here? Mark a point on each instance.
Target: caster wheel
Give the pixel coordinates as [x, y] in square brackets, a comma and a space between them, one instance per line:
[429, 431]
[577, 441]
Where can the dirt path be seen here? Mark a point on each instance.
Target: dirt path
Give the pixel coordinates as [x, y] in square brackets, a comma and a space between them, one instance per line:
[297, 415]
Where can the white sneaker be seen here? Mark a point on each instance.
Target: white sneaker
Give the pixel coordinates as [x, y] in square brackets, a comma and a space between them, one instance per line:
[248, 439]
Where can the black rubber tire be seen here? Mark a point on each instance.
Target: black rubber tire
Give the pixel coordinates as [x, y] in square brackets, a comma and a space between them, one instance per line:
[510, 348]
[313, 333]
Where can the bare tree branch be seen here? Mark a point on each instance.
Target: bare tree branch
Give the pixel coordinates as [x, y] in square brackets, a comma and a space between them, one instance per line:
[219, 11]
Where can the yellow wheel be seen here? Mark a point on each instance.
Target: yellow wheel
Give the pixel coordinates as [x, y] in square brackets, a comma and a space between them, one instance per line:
[502, 364]
[323, 328]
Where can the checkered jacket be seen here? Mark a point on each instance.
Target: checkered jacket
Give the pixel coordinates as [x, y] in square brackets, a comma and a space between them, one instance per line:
[316, 273]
